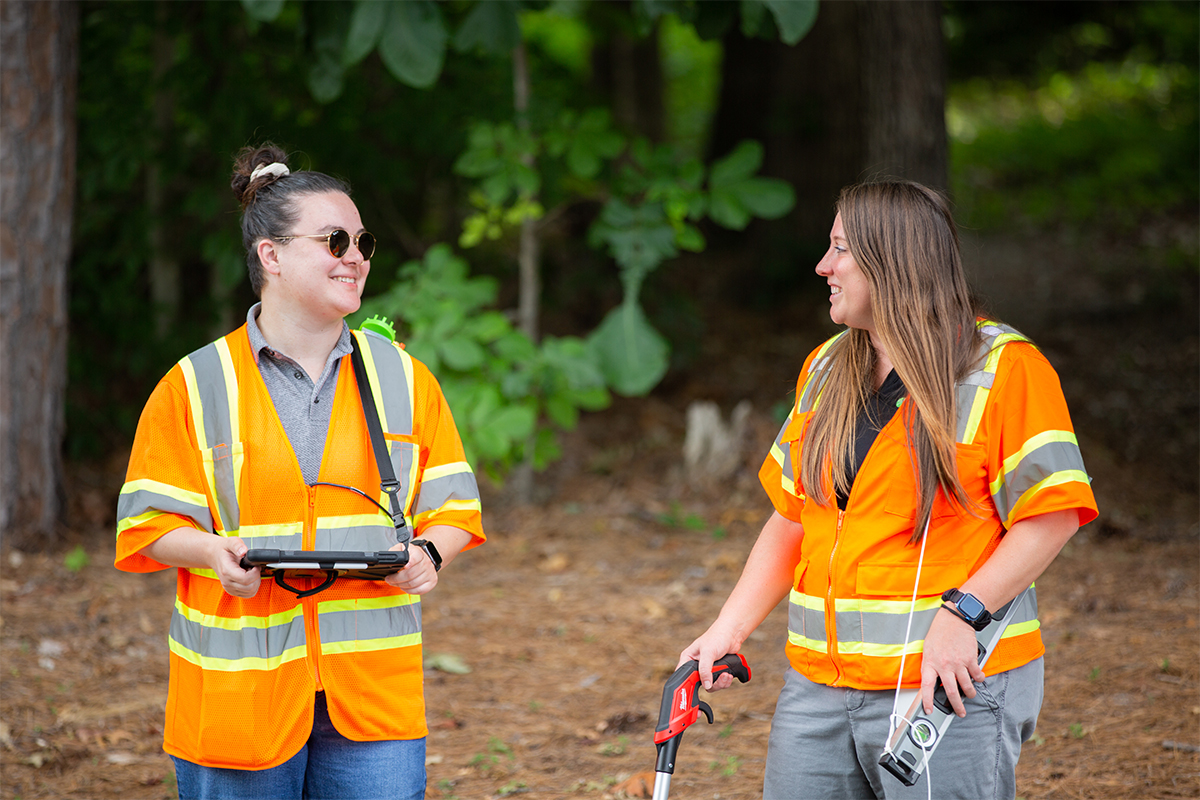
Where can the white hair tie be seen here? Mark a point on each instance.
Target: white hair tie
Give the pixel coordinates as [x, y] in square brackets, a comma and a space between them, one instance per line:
[270, 169]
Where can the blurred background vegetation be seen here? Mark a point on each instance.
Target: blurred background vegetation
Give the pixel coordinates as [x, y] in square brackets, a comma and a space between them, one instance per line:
[1063, 118]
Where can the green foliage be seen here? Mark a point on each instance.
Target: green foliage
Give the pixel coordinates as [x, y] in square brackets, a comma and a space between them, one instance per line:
[654, 200]
[1109, 145]
[616, 748]
[76, 560]
[499, 384]
[1097, 127]
[631, 354]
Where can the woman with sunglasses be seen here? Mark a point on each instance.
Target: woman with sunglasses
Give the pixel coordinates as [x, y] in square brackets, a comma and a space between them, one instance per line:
[926, 475]
[285, 689]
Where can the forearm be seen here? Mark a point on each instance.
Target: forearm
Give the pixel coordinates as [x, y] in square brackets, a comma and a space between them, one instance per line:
[448, 540]
[1022, 555]
[766, 579]
[184, 547]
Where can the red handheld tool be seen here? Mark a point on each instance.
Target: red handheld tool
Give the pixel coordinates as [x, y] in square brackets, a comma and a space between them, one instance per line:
[681, 706]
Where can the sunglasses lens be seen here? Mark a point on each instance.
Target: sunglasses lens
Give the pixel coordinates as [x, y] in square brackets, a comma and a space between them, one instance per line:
[339, 243]
[366, 245]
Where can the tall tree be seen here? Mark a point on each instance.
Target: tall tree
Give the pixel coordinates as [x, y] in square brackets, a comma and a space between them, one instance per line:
[38, 68]
[861, 96]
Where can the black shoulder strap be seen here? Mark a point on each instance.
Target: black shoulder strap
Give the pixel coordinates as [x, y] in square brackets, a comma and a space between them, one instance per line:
[387, 475]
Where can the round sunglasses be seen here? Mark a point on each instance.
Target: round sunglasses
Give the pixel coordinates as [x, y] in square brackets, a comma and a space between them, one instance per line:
[338, 241]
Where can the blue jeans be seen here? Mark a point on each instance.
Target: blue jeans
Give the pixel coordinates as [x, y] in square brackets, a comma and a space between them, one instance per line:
[328, 767]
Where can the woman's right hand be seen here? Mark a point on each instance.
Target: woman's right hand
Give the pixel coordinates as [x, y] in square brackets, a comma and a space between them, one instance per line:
[195, 549]
[226, 562]
[712, 644]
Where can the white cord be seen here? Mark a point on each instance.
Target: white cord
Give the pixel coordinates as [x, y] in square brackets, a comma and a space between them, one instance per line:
[912, 608]
[896, 718]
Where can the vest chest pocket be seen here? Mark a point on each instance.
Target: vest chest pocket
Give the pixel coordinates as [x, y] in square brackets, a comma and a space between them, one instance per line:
[893, 579]
[972, 473]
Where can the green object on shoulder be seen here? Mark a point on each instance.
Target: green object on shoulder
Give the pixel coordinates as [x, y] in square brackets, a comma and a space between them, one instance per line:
[381, 326]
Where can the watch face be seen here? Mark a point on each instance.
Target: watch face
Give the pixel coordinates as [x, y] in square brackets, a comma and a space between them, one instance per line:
[970, 606]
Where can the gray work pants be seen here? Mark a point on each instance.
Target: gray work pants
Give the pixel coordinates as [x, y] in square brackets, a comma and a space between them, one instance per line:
[826, 742]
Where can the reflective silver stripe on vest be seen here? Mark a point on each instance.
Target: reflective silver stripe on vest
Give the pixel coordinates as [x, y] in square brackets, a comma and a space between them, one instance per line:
[212, 393]
[783, 454]
[232, 644]
[973, 390]
[807, 618]
[1047, 459]
[877, 628]
[818, 374]
[441, 485]
[141, 496]
[287, 536]
[387, 618]
[390, 374]
[391, 379]
[366, 533]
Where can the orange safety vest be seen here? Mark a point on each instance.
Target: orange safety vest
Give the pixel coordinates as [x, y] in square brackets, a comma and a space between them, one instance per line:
[849, 608]
[211, 453]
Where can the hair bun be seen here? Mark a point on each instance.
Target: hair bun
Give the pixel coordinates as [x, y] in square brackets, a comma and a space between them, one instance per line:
[256, 168]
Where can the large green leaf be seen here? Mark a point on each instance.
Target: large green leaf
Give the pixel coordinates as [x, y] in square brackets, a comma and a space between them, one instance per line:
[263, 10]
[366, 26]
[593, 141]
[632, 355]
[329, 40]
[639, 238]
[491, 27]
[733, 205]
[413, 43]
[741, 163]
[769, 198]
[514, 422]
[461, 353]
[737, 195]
[794, 18]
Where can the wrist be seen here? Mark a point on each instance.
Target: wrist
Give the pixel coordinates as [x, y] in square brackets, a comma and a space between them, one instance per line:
[966, 607]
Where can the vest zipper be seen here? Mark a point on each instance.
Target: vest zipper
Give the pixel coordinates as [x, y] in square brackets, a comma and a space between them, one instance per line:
[830, 608]
[312, 627]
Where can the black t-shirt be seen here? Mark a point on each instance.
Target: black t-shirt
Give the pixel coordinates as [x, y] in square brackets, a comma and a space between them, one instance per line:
[881, 407]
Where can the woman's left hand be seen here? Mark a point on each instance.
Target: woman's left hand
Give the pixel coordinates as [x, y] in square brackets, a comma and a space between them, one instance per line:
[950, 653]
[419, 576]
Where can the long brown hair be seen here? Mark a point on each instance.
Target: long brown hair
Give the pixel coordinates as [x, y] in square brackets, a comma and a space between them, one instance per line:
[904, 241]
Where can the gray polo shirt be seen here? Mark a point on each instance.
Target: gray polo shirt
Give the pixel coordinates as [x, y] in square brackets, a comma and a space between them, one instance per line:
[304, 406]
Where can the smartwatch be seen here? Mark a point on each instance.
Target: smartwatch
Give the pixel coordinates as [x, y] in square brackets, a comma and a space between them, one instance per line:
[434, 556]
[967, 608]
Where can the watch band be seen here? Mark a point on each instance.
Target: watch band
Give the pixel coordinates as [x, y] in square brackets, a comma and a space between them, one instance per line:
[979, 621]
[434, 556]
[953, 610]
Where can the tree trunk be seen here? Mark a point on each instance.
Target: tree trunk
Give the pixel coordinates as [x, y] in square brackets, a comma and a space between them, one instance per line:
[904, 91]
[163, 267]
[38, 68]
[861, 96]
[529, 264]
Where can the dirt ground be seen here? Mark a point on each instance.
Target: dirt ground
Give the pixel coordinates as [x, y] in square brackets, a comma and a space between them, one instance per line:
[571, 617]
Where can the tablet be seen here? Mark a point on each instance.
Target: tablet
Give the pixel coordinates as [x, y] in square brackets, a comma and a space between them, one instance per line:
[347, 563]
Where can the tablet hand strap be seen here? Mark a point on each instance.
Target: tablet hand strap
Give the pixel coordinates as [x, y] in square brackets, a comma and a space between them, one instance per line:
[330, 577]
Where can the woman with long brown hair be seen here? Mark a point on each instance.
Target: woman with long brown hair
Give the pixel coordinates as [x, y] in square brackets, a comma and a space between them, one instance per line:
[928, 472]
